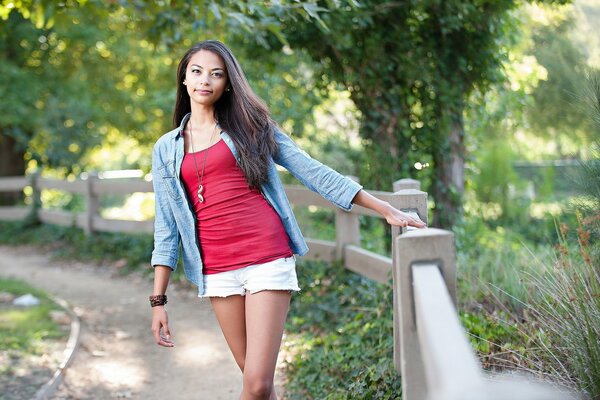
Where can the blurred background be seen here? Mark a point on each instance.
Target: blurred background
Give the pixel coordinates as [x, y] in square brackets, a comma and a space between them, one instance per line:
[494, 106]
[485, 104]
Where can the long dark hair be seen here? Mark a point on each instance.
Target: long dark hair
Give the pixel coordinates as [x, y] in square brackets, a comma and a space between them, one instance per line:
[239, 111]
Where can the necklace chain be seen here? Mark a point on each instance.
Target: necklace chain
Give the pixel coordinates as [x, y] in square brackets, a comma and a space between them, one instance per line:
[198, 174]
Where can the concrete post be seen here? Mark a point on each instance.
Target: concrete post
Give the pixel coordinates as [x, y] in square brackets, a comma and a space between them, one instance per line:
[405, 199]
[91, 203]
[347, 229]
[430, 245]
[407, 183]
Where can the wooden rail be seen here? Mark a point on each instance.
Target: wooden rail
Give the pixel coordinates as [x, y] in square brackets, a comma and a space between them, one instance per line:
[431, 351]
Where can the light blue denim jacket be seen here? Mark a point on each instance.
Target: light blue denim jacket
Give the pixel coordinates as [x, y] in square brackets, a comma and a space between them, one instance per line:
[175, 222]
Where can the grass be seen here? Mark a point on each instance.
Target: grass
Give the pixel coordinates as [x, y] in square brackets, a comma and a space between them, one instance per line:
[534, 307]
[567, 310]
[23, 330]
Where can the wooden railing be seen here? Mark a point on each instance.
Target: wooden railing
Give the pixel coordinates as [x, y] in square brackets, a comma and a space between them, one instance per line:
[431, 351]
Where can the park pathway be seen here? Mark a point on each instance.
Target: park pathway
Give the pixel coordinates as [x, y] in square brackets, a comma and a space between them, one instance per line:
[117, 357]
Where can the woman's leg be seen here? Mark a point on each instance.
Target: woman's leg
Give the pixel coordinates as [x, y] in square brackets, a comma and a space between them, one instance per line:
[266, 312]
[231, 314]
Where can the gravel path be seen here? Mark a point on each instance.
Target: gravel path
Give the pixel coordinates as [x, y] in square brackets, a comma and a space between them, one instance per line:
[117, 357]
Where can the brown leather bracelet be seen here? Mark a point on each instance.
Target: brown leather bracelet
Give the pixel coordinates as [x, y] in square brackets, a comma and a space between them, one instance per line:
[158, 300]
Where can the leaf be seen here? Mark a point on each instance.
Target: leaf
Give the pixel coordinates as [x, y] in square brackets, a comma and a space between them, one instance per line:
[275, 29]
[215, 10]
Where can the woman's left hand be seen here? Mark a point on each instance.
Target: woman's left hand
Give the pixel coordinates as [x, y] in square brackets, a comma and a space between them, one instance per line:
[391, 214]
[400, 218]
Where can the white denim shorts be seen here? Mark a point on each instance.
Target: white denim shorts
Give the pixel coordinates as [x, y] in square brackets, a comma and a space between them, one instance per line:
[278, 274]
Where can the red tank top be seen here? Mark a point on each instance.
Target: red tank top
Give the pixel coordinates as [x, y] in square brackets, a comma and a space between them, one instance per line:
[236, 226]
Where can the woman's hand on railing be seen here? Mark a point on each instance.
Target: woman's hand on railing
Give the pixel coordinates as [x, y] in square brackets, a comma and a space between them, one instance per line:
[400, 218]
[391, 214]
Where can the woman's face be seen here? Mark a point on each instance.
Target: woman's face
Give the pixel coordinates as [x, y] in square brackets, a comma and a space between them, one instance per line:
[205, 78]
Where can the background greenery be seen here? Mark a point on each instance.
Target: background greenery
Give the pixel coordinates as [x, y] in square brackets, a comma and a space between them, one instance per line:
[492, 105]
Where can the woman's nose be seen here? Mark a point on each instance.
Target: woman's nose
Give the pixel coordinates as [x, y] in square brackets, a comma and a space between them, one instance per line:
[203, 80]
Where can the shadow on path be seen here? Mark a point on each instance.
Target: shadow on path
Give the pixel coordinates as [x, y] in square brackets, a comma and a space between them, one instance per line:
[117, 357]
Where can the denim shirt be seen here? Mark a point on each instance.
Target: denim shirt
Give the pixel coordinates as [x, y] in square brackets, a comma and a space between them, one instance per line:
[175, 221]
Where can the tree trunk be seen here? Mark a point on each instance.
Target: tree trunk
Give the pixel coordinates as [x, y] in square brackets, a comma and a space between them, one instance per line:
[449, 159]
[12, 163]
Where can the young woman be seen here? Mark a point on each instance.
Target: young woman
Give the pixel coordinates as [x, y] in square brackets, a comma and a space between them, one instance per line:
[218, 195]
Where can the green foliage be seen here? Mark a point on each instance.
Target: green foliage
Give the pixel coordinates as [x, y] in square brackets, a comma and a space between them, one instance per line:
[555, 112]
[410, 68]
[82, 75]
[495, 335]
[491, 262]
[497, 178]
[24, 329]
[588, 180]
[75, 83]
[340, 336]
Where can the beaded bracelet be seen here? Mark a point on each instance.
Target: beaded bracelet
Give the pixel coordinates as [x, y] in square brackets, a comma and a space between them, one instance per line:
[158, 300]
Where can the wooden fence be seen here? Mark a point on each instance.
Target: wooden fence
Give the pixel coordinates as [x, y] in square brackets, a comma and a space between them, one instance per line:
[431, 350]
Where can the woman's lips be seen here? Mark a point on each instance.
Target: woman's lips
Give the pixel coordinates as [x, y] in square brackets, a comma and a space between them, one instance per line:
[204, 92]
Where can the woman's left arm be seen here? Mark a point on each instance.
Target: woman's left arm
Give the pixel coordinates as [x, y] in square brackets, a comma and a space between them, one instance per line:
[391, 214]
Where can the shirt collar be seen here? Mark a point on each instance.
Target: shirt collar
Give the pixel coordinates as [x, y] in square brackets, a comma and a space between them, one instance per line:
[178, 132]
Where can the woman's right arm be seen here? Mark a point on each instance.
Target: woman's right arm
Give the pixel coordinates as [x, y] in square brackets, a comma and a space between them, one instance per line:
[164, 255]
[160, 319]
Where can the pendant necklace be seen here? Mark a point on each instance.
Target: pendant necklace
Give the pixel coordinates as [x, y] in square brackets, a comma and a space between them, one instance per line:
[198, 174]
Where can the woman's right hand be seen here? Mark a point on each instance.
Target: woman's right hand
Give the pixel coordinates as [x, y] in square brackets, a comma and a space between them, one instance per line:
[160, 327]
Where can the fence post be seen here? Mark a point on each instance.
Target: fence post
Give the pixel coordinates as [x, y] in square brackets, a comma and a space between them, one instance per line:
[407, 197]
[91, 203]
[407, 183]
[36, 197]
[434, 246]
[347, 229]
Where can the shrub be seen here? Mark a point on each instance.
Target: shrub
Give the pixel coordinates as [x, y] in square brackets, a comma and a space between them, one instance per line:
[341, 337]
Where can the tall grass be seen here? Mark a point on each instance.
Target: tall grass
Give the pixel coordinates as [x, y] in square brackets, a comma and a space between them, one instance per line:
[568, 311]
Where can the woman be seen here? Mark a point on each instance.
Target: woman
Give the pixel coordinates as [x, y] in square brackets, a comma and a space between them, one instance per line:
[218, 195]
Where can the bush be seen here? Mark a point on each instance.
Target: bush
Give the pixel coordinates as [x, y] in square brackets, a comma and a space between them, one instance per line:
[340, 337]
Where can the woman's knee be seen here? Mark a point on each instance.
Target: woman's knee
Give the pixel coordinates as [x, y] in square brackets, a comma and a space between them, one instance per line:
[258, 387]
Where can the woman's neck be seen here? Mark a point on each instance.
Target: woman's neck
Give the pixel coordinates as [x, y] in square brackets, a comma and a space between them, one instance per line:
[202, 116]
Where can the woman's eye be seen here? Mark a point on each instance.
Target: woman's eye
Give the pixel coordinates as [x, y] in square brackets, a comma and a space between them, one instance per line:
[217, 74]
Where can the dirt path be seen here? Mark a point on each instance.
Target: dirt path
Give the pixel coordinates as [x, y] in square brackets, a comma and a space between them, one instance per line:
[118, 357]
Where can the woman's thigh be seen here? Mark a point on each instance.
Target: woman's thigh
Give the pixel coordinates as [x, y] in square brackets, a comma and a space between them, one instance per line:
[231, 314]
[266, 312]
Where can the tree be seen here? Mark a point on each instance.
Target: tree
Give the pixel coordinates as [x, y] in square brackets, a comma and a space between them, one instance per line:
[409, 66]
[67, 84]
[555, 113]
[79, 74]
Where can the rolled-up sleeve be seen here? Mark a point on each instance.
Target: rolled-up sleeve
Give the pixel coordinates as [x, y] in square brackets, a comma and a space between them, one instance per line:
[166, 235]
[333, 186]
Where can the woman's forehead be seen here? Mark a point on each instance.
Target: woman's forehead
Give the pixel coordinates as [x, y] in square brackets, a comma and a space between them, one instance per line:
[207, 59]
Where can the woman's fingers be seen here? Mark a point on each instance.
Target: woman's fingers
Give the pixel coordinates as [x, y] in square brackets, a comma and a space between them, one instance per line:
[160, 328]
[165, 337]
[403, 219]
[417, 223]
